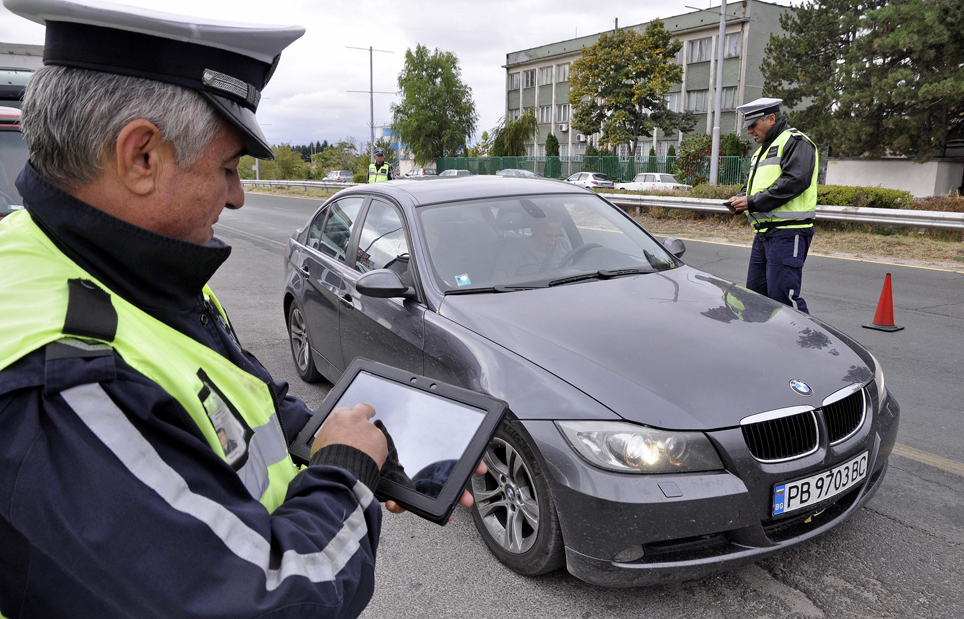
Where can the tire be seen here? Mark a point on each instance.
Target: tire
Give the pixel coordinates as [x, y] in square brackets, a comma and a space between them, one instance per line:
[514, 511]
[301, 345]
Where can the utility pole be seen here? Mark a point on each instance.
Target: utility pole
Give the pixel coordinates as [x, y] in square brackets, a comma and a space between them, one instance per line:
[371, 93]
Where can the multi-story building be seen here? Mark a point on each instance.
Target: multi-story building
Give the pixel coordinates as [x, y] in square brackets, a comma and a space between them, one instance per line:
[539, 77]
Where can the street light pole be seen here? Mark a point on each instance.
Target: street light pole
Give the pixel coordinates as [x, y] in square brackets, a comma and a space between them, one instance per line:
[720, 49]
[371, 93]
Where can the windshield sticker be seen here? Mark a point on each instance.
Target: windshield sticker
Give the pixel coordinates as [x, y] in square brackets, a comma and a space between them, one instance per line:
[462, 280]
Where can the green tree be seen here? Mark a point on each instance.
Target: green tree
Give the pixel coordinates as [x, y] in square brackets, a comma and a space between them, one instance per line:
[882, 77]
[339, 156]
[437, 113]
[671, 152]
[552, 146]
[617, 85]
[735, 147]
[689, 167]
[498, 145]
[516, 134]
[483, 147]
[651, 162]
[288, 164]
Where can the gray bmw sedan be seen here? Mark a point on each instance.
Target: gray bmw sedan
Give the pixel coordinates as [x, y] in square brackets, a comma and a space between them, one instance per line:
[664, 423]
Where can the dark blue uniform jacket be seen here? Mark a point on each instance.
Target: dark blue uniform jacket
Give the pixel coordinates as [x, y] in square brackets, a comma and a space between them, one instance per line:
[82, 536]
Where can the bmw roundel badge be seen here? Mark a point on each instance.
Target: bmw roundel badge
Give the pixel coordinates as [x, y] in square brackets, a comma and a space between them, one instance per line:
[801, 387]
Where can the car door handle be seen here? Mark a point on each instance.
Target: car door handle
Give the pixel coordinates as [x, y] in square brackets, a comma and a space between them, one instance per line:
[305, 270]
[346, 300]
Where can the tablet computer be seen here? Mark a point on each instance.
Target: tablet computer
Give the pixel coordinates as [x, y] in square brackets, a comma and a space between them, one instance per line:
[437, 433]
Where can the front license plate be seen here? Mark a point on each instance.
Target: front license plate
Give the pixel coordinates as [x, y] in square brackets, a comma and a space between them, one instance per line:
[794, 495]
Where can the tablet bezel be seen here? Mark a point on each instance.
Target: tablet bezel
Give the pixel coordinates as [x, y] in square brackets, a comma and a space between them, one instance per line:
[436, 509]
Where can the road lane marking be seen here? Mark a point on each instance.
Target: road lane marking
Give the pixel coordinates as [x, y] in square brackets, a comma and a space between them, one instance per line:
[251, 234]
[891, 264]
[944, 464]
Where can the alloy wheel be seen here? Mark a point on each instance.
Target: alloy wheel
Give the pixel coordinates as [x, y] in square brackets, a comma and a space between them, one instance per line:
[299, 339]
[506, 498]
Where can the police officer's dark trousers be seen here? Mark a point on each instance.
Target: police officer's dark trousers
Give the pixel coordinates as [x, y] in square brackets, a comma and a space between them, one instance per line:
[776, 265]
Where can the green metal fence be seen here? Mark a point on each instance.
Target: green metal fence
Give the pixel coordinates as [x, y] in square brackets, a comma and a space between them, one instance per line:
[621, 169]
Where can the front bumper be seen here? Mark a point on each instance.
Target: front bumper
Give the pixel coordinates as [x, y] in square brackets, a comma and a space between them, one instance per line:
[687, 526]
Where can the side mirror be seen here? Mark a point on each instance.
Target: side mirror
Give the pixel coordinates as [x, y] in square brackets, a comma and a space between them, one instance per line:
[381, 284]
[674, 246]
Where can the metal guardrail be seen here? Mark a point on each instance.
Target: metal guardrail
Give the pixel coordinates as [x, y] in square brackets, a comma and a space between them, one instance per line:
[303, 184]
[850, 214]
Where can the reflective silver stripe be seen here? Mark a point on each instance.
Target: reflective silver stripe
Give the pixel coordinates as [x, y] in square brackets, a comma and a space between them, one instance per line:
[793, 301]
[793, 214]
[796, 245]
[770, 161]
[95, 408]
[266, 448]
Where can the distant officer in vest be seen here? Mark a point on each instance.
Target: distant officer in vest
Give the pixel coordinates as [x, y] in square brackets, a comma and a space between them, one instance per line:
[119, 368]
[780, 200]
[380, 171]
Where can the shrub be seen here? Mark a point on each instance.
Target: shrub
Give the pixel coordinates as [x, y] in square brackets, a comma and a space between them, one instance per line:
[691, 153]
[867, 197]
[672, 151]
[948, 204]
[552, 146]
[360, 177]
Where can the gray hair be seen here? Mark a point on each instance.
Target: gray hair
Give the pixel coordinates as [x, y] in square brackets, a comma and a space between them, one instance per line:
[71, 119]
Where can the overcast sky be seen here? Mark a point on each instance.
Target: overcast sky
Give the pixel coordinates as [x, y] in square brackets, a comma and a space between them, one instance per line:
[307, 99]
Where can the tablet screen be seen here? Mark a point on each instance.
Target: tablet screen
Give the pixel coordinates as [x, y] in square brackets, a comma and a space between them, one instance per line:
[430, 433]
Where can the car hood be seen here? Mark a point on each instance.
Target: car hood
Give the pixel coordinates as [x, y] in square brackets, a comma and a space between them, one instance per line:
[679, 349]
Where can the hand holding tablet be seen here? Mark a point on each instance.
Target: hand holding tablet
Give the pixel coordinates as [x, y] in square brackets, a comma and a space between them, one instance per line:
[430, 435]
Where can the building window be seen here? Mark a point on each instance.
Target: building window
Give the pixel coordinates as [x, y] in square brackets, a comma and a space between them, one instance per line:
[562, 72]
[622, 150]
[562, 113]
[546, 77]
[696, 101]
[700, 50]
[672, 101]
[514, 114]
[545, 113]
[731, 45]
[678, 58]
[729, 98]
[513, 81]
[564, 150]
[529, 78]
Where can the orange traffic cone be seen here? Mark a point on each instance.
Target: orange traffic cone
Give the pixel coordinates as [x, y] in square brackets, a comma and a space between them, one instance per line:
[884, 318]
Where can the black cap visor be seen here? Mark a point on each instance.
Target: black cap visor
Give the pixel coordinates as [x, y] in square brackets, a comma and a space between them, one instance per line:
[244, 119]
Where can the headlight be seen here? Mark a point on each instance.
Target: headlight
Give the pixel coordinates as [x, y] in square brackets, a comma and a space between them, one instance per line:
[631, 448]
[879, 380]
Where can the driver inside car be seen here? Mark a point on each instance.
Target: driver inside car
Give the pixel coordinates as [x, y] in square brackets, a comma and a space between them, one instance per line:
[543, 250]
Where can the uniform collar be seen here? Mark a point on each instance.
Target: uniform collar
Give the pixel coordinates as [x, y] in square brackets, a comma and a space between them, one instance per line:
[148, 269]
[778, 127]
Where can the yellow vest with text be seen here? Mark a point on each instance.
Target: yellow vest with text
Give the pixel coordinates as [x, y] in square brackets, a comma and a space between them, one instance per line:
[34, 278]
[765, 169]
[378, 174]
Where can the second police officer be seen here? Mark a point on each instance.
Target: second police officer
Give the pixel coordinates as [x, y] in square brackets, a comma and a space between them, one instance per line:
[380, 171]
[780, 200]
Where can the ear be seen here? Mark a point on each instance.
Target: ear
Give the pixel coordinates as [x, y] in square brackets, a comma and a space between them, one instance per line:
[140, 155]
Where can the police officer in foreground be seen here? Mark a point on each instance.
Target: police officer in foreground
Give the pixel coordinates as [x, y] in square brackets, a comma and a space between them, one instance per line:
[144, 469]
[380, 171]
[780, 200]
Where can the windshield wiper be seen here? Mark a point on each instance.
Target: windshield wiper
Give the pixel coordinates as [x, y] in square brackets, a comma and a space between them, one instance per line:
[601, 274]
[494, 289]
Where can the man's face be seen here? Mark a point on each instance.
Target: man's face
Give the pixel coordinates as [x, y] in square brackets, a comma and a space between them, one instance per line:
[759, 129]
[547, 235]
[195, 195]
[379, 159]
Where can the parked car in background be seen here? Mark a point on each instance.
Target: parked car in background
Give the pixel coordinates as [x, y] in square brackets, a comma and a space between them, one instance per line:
[636, 450]
[647, 181]
[590, 180]
[421, 172]
[340, 176]
[13, 157]
[451, 173]
[517, 173]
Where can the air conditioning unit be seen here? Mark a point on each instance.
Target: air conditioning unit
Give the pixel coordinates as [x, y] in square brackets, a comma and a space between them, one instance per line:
[580, 137]
[563, 128]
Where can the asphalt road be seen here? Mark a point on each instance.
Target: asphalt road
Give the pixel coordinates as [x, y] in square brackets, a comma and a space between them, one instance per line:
[901, 556]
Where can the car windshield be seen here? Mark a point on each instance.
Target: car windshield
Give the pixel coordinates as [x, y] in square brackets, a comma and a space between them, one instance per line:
[13, 157]
[669, 178]
[503, 243]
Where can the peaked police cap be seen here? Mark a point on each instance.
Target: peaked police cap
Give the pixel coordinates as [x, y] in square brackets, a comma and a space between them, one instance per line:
[228, 63]
[755, 110]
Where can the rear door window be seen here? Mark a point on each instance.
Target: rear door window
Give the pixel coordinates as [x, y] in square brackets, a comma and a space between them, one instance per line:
[336, 232]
